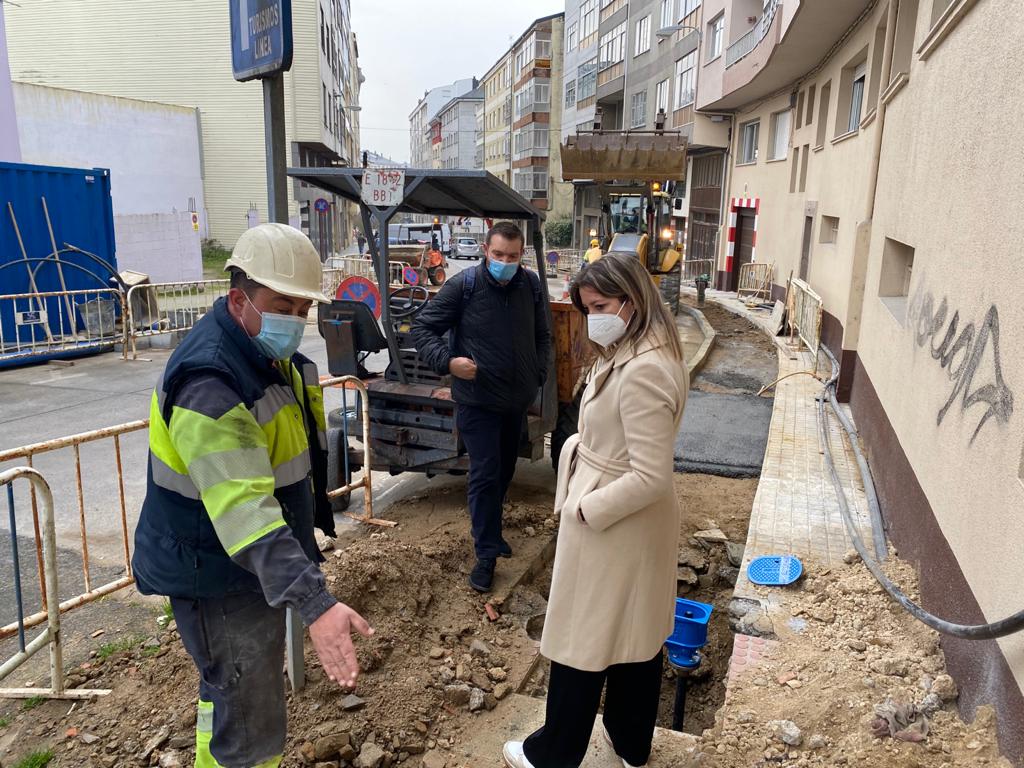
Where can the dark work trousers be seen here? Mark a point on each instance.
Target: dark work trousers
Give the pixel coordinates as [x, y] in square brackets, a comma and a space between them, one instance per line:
[630, 713]
[237, 644]
[492, 440]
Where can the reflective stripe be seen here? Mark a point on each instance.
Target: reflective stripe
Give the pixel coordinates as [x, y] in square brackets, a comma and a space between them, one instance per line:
[194, 434]
[204, 719]
[243, 524]
[169, 480]
[276, 397]
[292, 471]
[213, 468]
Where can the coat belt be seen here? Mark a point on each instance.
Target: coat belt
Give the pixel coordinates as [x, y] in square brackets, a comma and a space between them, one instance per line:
[602, 463]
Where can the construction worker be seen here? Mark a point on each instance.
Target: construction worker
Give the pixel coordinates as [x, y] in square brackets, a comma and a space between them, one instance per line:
[237, 480]
[594, 252]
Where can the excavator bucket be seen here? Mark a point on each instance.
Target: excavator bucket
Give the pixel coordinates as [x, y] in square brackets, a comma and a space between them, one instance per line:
[624, 156]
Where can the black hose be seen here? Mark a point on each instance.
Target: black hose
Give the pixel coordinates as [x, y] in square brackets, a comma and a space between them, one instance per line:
[1001, 628]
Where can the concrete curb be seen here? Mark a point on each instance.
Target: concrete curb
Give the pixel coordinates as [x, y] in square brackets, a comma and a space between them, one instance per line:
[700, 357]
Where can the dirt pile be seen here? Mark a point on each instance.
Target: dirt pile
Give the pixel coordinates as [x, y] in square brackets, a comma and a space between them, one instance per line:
[855, 681]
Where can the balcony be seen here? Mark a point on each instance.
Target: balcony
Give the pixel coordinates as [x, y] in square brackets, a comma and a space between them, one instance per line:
[786, 42]
[749, 41]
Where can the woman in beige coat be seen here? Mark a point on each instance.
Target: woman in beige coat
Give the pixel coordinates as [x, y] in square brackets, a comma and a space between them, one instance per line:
[614, 584]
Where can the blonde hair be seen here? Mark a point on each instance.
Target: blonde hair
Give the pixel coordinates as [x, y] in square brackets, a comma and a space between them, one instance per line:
[622, 276]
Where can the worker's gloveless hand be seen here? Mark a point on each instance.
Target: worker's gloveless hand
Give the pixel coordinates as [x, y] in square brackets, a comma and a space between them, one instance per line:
[332, 638]
[462, 368]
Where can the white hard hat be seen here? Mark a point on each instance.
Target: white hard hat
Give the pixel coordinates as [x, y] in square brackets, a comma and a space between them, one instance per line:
[281, 258]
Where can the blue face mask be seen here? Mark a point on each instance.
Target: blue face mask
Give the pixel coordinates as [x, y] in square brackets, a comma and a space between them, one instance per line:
[280, 335]
[501, 271]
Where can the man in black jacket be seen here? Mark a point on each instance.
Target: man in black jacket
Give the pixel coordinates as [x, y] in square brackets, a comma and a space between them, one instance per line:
[497, 352]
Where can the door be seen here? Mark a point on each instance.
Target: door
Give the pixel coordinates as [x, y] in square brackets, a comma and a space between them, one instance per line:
[805, 252]
[744, 244]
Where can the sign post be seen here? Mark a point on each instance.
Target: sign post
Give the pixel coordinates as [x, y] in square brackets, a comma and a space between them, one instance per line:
[261, 47]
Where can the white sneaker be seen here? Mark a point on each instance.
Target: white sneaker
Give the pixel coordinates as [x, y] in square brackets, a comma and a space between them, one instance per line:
[608, 740]
[514, 757]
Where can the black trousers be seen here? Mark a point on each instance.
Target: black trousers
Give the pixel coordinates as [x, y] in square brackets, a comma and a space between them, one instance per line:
[630, 713]
[492, 440]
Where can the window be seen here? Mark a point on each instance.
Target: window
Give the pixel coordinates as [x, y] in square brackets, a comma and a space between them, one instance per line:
[326, 108]
[570, 94]
[826, 93]
[613, 47]
[810, 105]
[323, 37]
[686, 7]
[638, 110]
[531, 182]
[778, 139]
[570, 37]
[661, 97]
[748, 141]
[894, 282]
[586, 77]
[535, 96]
[588, 19]
[685, 80]
[531, 142]
[666, 14]
[856, 97]
[643, 36]
[716, 36]
[829, 229]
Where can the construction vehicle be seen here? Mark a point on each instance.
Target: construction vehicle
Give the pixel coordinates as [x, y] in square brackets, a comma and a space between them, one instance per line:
[412, 416]
[635, 173]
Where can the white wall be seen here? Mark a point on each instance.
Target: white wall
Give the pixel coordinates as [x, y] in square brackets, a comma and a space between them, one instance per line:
[152, 150]
[161, 245]
[9, 150]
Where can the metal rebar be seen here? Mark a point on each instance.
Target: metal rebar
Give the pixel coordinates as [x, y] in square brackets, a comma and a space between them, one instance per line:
[81, 519]
[17, 566]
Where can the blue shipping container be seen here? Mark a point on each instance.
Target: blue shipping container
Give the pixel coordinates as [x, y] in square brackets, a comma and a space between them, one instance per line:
[82, 216]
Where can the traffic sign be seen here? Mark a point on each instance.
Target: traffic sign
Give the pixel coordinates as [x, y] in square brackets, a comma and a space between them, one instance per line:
[553, 258]
[321, 205]
[410, 276]
[362, 290]
[261, 37]
[195, 222]
[383, 187]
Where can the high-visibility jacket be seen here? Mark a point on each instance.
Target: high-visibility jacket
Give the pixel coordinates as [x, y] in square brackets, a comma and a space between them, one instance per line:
[592, 255]
[237, 474]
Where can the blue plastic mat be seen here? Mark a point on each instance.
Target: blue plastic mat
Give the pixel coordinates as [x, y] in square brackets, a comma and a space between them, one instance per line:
[775, 570]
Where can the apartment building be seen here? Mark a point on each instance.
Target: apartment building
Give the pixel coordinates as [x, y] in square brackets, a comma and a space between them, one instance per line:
[135, 50]
[536, 72]
[459, 130]
[421, 153]
[871, 157]
[497, 84]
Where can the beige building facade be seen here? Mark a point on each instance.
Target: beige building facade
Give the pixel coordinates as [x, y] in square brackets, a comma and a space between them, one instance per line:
[866, 159]
[136, 50]
[497, 84]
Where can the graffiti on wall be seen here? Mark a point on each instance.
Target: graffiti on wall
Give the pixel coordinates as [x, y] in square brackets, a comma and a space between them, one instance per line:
[959, 347]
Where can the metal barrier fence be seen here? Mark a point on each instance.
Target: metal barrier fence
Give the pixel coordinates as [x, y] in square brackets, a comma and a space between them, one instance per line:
[756, 281]
[805, 311]
[47, 323]
[695, 268]
[46, 542]
[75, 442]
[159, 308]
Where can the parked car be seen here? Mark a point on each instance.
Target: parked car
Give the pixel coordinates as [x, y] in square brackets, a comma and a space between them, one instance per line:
[468, 248]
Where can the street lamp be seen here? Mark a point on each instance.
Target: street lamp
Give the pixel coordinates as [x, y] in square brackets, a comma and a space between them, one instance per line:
[671, 29]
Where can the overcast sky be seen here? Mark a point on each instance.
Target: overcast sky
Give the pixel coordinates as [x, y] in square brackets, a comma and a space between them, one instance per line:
[409, 46]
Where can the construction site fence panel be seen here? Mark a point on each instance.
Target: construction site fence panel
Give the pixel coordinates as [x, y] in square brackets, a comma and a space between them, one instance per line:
[340, 268]
[46, 547]
[159, 308]
[70, 449]
[50, 324]
[695, 268]
[805, 312]
[756, 281]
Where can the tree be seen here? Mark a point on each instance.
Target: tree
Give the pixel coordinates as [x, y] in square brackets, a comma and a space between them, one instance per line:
[558, 233]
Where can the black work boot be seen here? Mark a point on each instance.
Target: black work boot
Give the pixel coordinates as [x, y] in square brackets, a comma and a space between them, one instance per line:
[482, 575]
[504, 549]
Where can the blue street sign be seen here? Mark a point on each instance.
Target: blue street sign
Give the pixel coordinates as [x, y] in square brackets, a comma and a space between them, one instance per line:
[321, 205]
[261, 37]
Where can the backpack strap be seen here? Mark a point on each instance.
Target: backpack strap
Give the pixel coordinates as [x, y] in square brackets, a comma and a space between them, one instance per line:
[468, 283]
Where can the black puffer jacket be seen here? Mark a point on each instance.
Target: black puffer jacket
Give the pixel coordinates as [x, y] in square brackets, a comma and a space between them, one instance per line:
[504, 329]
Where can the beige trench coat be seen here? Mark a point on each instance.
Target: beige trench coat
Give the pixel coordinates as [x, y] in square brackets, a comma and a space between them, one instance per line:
[614, 583]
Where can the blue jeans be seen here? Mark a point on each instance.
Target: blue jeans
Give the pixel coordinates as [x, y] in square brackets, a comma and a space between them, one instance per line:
[492, 440]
